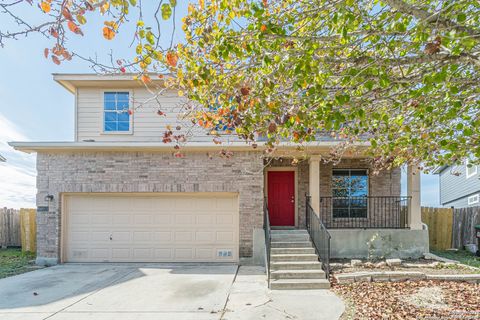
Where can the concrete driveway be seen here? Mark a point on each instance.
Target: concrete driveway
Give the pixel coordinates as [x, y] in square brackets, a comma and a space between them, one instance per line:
[156, 291]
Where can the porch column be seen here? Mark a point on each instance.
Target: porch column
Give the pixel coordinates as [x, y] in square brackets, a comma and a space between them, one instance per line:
[314, 182]
[413, 191]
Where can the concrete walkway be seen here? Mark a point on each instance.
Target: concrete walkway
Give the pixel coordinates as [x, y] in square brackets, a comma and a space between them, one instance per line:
[156, 291]
[250, 299]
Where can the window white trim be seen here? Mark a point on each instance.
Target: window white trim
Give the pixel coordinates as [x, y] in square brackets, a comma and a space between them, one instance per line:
[473, 199]
[130, 107]
[467, 169]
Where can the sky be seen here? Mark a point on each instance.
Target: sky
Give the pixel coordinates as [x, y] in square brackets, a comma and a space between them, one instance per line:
[35, 108]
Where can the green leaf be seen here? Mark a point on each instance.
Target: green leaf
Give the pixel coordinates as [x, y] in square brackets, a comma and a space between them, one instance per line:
[173, 3]
[166, 11]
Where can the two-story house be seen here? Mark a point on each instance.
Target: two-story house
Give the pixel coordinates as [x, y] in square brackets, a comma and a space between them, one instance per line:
[118, 193]
[459, 185]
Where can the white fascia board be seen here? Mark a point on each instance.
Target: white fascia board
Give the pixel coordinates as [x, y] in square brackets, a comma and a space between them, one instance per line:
[30, 147]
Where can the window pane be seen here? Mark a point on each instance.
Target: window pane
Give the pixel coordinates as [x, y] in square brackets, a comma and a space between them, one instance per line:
[340, 213]
[109, 105]
[358, 173]
[358, 182]
[110, 126]
[358, 213]
[110, 116]
[122, 105]
[358, 202]
[341, 172]
[340, 192]
[340, 182]
[123, 126]
[109, 96]
[123, 116]
[122, 96]
[341, 202]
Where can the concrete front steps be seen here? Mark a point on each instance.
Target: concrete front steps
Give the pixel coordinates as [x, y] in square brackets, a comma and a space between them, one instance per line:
[294, 265]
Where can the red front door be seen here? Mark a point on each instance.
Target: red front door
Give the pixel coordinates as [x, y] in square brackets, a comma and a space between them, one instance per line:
[281, 198]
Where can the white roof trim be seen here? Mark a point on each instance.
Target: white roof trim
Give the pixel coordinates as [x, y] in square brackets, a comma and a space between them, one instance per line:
[160, 146]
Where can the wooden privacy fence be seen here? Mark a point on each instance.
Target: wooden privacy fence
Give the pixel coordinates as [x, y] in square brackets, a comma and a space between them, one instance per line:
[9, 228]
[440, 227]
[464, 221]
[18, 228]
[28, 229]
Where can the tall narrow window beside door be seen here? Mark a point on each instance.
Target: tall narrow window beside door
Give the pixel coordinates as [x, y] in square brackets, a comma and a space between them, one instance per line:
[350, 191]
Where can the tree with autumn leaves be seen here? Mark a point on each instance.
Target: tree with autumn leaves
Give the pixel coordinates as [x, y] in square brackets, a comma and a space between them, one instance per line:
[402, 75]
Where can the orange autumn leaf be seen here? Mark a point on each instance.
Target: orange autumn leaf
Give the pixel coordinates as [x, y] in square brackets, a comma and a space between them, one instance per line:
[172, 59]
[45, 52]
[74, 28]
[146, 79]
[55, 60]
[66, 13]
[45, 6]
[108, 33]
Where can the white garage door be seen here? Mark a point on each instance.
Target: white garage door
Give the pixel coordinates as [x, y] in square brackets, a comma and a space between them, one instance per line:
[154, 228]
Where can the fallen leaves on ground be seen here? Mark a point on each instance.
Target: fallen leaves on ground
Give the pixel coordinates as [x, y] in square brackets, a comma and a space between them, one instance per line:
[410, 300]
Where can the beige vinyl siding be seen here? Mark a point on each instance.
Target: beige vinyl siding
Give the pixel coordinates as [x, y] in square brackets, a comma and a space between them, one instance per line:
[147, 124]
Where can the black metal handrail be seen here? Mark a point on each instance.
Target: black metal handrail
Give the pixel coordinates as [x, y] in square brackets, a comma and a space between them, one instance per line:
[319, 236]
[266, 228]
[369, 212]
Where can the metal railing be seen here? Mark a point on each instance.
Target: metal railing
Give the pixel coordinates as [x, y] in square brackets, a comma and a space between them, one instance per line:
[319, 236]
[266, 228]
[382, 212]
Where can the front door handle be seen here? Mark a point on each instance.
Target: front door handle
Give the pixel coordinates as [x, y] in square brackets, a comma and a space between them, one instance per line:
[293, 200]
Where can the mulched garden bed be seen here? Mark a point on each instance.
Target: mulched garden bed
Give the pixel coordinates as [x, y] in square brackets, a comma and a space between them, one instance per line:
[434, 267]
[410, 300]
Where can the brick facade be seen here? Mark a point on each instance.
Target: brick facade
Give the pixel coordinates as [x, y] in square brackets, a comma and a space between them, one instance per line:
[161, 172]
[146, 172]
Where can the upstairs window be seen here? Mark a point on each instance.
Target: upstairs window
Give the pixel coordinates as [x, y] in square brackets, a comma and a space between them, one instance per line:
[350, 191]
[116, 117]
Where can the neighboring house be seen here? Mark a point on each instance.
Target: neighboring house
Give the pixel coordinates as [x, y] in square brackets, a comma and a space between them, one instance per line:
[117, 193]
[459, 185]
[2, 159]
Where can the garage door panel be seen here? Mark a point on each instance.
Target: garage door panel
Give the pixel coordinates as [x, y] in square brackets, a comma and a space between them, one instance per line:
[142, 219]
[142, 236]
[121, 236]
[100, 219]
[164, 254]
[80, 236]
[205, 220]
[121, 220]
[163, 236]
[121, 253]
[225, 237]
[225, 219]
[205, 236]
[100, 253]
[184, 219]
[183, 236]
[163, 228]
[183, 254]
[163, 219]
[100, 236]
